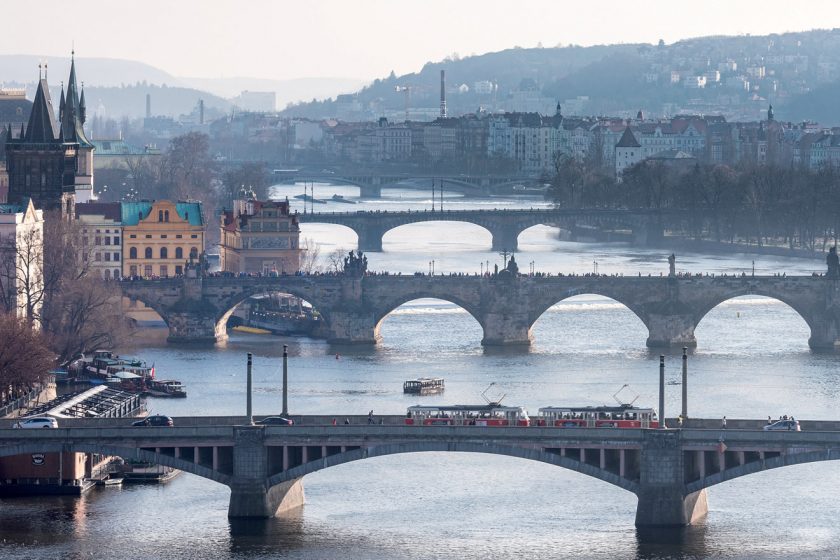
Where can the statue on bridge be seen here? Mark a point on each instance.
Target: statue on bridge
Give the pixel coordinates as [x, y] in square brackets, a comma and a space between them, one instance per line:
[833, 263]
[355, 264]
[671, 268]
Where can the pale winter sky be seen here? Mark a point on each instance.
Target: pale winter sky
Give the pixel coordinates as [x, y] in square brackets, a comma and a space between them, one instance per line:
[366, 39]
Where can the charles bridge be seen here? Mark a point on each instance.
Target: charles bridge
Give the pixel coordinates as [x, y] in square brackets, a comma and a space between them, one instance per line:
[667, 469]
[504, 225]
[506, 306]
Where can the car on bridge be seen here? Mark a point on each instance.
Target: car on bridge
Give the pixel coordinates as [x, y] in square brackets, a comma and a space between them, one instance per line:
[37, 422]
[158, 420]
[783, 425]
[275, 421]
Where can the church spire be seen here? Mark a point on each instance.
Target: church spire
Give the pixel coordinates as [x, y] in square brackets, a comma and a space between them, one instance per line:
[72, 117]
[61, 104]
[82, 111]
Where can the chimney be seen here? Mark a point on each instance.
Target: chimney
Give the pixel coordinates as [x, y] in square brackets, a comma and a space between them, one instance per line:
[148, 105]
[443, 94]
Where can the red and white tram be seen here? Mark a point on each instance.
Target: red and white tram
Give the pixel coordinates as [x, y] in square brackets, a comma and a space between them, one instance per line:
[491, 414]
[623, 416]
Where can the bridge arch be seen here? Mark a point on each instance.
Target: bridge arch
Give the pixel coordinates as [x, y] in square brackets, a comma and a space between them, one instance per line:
[495, 449]
[438, 217]
[161, 459]
[784, 460]
[230, 304]
[382, 312]
[791, 303]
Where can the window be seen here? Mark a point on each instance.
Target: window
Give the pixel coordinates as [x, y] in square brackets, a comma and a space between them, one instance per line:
[164, 253]
[160, 215]
[107, 240]
[97, 240]
[116, 257]
[166, 215]
[116, 240]
[164, 270]
[179, 269]
[179, 236]
[132, 236]
[179, 253]
[193, 252]
[106, 274]
[147, 271]
[148, 237]
[132, 270]
[107, 257]
[116, 274]
[164, 236]
[132, 254]
[148, 252]
[97, 257]
[194, 236]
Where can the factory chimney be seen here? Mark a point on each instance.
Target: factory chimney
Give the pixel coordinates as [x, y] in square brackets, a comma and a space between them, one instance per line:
[443, 94]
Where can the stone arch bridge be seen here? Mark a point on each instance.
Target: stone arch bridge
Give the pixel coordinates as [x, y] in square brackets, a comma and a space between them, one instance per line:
[504, 225]
[668, 470]
[371, 184]
[506, 307]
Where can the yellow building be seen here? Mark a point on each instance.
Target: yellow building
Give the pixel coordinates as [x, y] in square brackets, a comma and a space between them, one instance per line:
[260, 236]
[160, 237]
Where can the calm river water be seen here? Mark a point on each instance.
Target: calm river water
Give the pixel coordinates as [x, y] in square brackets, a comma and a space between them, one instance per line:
[752, 360]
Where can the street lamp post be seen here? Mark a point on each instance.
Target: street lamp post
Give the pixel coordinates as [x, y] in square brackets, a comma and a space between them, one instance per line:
[285, 380]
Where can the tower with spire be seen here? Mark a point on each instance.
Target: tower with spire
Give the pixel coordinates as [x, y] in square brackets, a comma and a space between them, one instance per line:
[51, 160]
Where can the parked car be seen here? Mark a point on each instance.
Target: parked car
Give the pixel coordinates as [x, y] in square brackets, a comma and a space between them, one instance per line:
[37, 422]
[787, 425]
[275, 421]
[155, 420]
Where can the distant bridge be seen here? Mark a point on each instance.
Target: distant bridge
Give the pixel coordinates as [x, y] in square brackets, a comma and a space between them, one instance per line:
[506, 306]
[504, 225]
[371, 183]
[667, 469]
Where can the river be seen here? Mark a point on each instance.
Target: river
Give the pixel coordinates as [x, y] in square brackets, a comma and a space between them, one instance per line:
[752, 360]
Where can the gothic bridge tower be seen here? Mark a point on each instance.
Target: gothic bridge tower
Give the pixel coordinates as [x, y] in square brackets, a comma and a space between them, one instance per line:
[51, 159]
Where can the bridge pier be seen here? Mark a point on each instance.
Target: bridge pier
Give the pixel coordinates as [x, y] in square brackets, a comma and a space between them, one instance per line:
[194, 328]
[370, 239]
[351, 328]
[663, 498]
[665, 331]
[506, 329]
[254, 500]
[824, 330]
[505, 238]
[250, 495]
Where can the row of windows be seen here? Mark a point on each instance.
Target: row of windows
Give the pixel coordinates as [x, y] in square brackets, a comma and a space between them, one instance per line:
[148, 271]
[164, 253]
[164, 236]
[97, 240]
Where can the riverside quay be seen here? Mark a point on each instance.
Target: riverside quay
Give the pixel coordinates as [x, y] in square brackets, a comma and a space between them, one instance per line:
[505, 305]
[668, 469]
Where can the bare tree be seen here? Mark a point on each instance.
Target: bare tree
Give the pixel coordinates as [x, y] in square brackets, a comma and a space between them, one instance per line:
[22, 274]
[25, 358]
[81, 311]
[309, 256]
[335, 260]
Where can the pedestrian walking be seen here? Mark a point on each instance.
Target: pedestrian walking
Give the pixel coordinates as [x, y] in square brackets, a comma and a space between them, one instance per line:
[723, 423]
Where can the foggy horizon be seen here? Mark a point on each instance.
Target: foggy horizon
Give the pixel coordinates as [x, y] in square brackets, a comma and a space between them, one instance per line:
[368, 40]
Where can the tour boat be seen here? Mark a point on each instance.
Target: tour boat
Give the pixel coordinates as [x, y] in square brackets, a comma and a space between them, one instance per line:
[423, 386]
[340, 198]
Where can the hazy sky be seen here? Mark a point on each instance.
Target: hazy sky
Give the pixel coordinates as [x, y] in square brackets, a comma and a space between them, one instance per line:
[367, 39]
